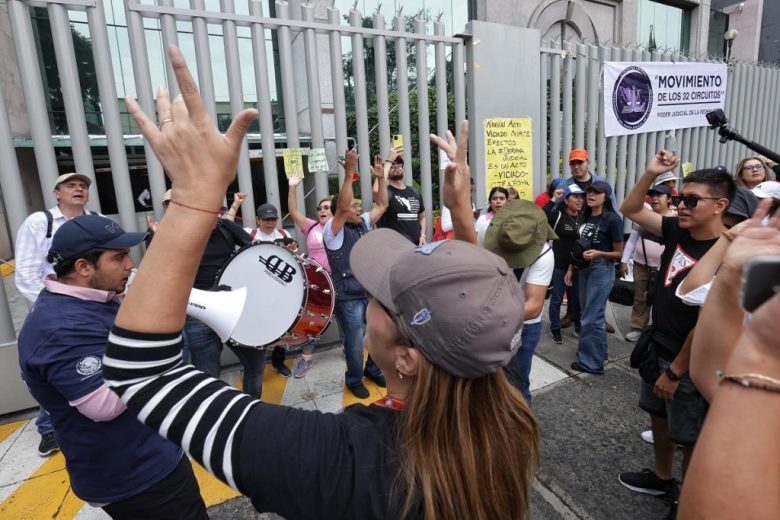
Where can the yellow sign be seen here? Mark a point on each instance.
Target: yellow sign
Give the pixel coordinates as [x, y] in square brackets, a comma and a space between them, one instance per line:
[293, 161]
[508, 155]
[686, 168]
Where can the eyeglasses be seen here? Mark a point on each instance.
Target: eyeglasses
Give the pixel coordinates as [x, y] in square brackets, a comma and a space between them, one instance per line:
[690, 201]
[753, 167]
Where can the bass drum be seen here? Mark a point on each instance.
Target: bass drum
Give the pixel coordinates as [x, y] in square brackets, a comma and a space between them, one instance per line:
[289, 299]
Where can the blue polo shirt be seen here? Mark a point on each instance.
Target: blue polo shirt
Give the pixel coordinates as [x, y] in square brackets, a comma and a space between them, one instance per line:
[61, 348]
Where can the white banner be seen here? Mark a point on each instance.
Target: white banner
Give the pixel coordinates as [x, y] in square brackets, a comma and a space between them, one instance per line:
[651, 96]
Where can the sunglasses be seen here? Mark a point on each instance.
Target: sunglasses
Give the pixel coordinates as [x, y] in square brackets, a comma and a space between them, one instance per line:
[690, 201]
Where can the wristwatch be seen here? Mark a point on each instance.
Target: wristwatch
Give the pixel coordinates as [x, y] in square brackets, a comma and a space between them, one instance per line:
[671, 375]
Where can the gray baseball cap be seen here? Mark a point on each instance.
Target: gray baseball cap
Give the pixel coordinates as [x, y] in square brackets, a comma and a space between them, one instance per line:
[460, 305]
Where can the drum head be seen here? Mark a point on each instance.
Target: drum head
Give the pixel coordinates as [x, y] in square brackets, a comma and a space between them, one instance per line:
[275, 282]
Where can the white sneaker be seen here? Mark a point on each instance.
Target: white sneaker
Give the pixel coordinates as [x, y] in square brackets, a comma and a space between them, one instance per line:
[633, 335]
[647, 436]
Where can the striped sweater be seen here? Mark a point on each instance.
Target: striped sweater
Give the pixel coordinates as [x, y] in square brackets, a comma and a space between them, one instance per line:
[298, 463]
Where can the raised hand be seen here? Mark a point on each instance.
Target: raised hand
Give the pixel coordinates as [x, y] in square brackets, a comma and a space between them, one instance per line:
[200, 161]
[457, 175]
[350, 161]
[295, 180]
[664, 161]
[379, 167]
[238, 198]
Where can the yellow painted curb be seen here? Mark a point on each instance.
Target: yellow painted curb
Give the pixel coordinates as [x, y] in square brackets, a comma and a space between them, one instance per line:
[7, 268]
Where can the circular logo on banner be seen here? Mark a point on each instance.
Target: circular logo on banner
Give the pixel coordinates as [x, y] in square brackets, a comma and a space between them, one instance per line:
[89, 365]
[632, 97]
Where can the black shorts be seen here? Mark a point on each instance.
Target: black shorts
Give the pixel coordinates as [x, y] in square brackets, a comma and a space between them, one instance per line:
[685, 413]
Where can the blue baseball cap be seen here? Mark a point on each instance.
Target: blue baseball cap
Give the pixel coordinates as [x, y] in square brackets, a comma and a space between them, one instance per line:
[560, 182]
[572, 189]
[87, 232]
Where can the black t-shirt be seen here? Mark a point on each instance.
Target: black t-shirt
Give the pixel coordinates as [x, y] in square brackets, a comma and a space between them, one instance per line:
[403, 212]
[603, 230]
[565, 226]
[306, 464]
[224, 240]
[672, 319]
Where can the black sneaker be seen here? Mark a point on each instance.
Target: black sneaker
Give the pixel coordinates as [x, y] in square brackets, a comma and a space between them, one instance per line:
[556, 337]
[646, 481]
[359, 390]
[379, 380]
[282, 369]
[48, 445]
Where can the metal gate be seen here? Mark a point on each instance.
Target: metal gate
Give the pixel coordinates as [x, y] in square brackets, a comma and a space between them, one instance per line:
[307, 69]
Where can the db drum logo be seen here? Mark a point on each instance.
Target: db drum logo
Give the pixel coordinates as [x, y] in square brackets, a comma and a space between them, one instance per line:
[278, 267]
[632, 97]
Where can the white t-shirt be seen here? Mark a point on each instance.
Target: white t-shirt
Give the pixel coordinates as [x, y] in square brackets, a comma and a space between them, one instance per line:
[696, 297]
[539, 273]
[259, 236]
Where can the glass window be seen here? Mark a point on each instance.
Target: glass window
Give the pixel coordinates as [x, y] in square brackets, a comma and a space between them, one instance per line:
[663, 26]
[719, 24]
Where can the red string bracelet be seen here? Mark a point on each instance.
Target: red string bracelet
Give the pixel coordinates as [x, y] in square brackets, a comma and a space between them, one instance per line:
[215, 213]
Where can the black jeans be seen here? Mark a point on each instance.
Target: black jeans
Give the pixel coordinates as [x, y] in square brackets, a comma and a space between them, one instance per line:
[175, 496]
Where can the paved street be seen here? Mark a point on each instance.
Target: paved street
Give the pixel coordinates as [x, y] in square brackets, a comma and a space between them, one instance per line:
[590, 432]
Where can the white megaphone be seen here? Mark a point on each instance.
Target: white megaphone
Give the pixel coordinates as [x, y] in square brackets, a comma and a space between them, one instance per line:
[220, 310]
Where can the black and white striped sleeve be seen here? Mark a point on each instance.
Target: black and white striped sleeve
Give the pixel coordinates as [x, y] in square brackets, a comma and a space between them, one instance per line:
[201, 414]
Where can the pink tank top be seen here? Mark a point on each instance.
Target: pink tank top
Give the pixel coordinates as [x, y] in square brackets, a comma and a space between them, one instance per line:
[315, 244]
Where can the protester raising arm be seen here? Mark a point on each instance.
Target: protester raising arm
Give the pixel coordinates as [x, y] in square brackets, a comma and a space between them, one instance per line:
[457, 186]
[734, 471]
[633, 205]
[238, 199]
[296, 215]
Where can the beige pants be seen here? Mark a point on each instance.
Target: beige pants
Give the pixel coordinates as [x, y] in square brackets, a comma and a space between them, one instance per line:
[640, 313]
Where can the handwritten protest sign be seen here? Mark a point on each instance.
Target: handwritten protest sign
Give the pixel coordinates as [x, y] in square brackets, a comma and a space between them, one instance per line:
[317, 160]
[508, 154]
[293, 161]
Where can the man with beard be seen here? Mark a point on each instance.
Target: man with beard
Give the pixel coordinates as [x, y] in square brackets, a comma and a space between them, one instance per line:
[406, 211]
[113, 460]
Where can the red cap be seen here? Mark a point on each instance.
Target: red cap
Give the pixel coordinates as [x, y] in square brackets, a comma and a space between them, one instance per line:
[578, 154]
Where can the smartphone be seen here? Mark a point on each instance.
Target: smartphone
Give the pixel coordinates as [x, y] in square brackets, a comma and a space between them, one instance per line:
[760, 281]
[398, 141]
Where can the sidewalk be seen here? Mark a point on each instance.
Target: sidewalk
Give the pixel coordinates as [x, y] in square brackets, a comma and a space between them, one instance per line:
[590, 432]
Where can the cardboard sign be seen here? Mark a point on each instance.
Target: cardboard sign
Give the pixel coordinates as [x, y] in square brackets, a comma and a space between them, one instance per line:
[509, 155]
[293, 161]
[318, 162]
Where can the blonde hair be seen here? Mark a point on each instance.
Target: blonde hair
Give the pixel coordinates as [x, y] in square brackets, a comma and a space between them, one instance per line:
[468, 448]
[768, 173]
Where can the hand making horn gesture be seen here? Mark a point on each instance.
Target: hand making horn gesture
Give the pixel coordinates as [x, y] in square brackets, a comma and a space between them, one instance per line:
[457, 182]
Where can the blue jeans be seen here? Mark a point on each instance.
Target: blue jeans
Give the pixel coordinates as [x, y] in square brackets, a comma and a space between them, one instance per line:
[205, 348]
[519, 368]
[351, 318]
[556, 299]
[43, 422]
[596, 282]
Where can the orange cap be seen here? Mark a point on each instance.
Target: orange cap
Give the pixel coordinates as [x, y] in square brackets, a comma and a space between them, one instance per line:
[578, 154]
